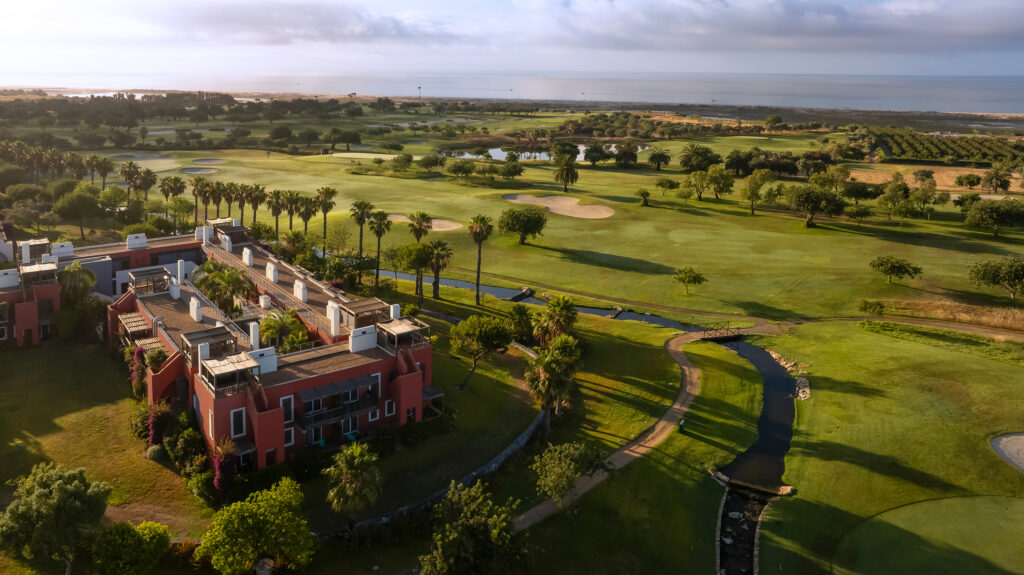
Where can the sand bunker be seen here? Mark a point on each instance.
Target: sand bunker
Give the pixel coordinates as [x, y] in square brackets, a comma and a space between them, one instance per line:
[563, 205]
[1011, 448]
[208, 161]
[200, 171]
[439, 224]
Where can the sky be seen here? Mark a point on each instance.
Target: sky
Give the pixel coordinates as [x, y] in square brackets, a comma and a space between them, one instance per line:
[92, 43]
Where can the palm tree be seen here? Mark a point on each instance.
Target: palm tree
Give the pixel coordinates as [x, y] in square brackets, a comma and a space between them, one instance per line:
[277, 204]
[198, 184]
[354, 481]
[171, 187]
[242, 197]
[658, 157]
[257, 196]
[307, 209]
[558, 318]
[92, 162]
[419, 224]
[76, 283]
[565, 172]
[103, 168]
[146, 180]
[360, 211]
[221, 283]
[441, 257]
[217, 192]
[279, 326]
[997, 179]
[379, 225]
[551, 375]
[480, 228]
[292, 200]
[231, 194]
[130, 173]
[325, 203]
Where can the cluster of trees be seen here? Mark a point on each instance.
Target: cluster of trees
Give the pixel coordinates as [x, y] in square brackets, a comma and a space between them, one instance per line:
[641, 125]
[909, 145]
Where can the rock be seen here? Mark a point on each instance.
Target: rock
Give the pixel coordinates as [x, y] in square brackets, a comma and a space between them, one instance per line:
[727, 540]
[803, 388]
[804, 365]
[735, 515]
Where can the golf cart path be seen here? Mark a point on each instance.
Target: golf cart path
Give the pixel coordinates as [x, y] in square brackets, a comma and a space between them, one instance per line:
[640, 446]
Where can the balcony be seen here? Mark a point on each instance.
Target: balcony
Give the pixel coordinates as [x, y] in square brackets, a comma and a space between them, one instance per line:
[365, 404]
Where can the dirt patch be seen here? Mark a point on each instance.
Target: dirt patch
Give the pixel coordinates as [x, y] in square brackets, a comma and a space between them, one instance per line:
[200, 171]
[563, 205]
[136, 513]
[1011, 448]
[439, 225]
[208, 161]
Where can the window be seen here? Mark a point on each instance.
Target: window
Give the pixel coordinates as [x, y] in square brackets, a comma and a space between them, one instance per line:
[3, 333]
[288, 406]
[289, 436]
[410, 414]
[238, 422]
[45, 305]
[374, 388]
[389, 408]
[313, 406]
[375, 415]
[5, 312]
[350, 425]
[352, 395]
[314, 435]
[209, 426]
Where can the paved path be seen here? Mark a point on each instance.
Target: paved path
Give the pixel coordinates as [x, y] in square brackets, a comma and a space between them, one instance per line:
[640, 446]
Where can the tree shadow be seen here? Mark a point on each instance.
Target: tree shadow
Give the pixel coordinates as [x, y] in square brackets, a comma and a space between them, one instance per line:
[617, 262]
[876, 463]
[763, 310]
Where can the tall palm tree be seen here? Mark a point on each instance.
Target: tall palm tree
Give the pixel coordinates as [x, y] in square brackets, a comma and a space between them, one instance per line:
[325, 202]
[130, 173]
[292, 200]
[257, 196]
[557, 318]
[551, 375]
[146, 180]
[354, 480]
[217, 191]
[171, 187]
[480, 228]
[360, 211]
[565, 172]
[242, 197]
[280, 326]
[104, 166]
[379, 225]
[221, 283]
[307, 209]
[76, 283]
[198, 184]
[419, 224]
[277, 204]
[658, 156]
[91, 163]
[441, 258]
[231, 194]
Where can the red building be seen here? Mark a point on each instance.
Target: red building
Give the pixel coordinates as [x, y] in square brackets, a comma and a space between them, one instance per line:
[29, 297]
[364, 367]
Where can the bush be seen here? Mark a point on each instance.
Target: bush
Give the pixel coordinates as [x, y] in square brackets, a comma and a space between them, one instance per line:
[385, 441]
[156, 357]
[201, 485]
[184, 552]
[261, 232]
[156, 540]
[252, 481]
[412, 310]
[139, 420]
[165, 226]
[147, 228]
[187, 451]
[120, 549]
[156, 453]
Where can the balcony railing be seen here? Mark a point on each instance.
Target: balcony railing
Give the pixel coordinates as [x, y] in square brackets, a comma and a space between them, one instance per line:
[224, 390]
[335, 414]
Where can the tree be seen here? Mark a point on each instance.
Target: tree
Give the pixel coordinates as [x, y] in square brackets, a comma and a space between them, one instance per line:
[472, 533]
[171, 187]
[859, 213]
[281, 133]
[992, 214]
[755, 181]
[430, 161]
[279, 326]
[222, 283]
[858, 191]
[565, 172]
[696, 183]
[461, 168]
[476, 337]
[551, 375]
[266, 524]
[894, 267]
[558, 468]
[997, 179]
[870, 307]
[595, 152]
[833, 179]
[277, 204]
[969, 181]
[666, 184]
[198, 185]
[379, 225]
[122, 548]
[130, 172]
[811, 202]
[104, 166]
[626, 153]
[657, 157]
[689, 276]
[145, 182]
[416, 258]
[112, 197]
[520, 321]
[772, 122]
[441, 257]
[720, 180]
[480, 228]
[420, 223]
[309, 135]
[76, 283]
[308, 208]
[557, 318]
[257, 196]
[526, 222]
[698, 158]
[644, 195]
[77, 207]
[354, 480]
[53, 513]
[1006, 273]
[292, 202]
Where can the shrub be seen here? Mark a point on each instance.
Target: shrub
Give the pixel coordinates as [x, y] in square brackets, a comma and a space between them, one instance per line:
[250, 482]
[184, 552]
[156, 357]
[146, 228]
[139, 420]
[412, 310]
[120, 549]
[163, 225]
[156, 540]
[201, 485]
[156, 453]
[187, 451]
[261, 231]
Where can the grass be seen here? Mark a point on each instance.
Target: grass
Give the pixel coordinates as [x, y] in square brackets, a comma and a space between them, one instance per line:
[979, 346]
[890, 422]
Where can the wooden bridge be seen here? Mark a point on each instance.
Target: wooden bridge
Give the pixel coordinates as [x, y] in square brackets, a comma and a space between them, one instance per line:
[720, 331]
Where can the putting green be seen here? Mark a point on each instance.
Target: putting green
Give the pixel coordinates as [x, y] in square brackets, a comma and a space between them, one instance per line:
[978, 535]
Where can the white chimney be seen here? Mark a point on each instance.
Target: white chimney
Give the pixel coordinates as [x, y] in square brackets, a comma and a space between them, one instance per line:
[362, 339]
[254, 334]
[135, 241]
[225, 242]
[175, 289]
[396, 311]
[247, 256]
[334, 318]
[265, 302]
[204, 351]
[62, 250]
[195, 309]
[181, 271]
[272, 271]
[299, 290]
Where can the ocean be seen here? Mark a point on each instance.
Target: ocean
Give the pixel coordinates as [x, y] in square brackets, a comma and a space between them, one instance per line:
[911, 93]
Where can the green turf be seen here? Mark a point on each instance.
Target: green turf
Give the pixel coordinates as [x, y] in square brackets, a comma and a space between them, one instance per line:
[890, 422]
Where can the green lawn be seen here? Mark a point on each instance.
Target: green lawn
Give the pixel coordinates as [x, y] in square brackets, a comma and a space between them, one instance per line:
[893, 422]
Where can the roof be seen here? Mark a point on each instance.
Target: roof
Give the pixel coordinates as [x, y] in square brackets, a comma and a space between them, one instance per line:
[230, 364]
[336, 388]
[213, 334]
[402, 325]
[133, 322]
[150, 273]
[364, 305]
[34, 268]
[319, 361]
[149, 343]
[431, 393]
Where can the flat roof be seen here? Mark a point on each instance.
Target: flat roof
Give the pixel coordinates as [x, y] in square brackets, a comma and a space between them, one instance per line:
[37, 268]
[176, 317]
[319, 361]
[151, 243]
[358, 306]
[402, 325]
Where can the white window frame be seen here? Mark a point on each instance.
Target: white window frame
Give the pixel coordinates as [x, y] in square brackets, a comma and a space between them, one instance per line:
[3, 333]
[350, 424]
[233, 412]
[313, 431]
[374, 415]
[374, 388]
[389, 408]
[209, 419]
[291, 408]
[289, 432]
[313, 403]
